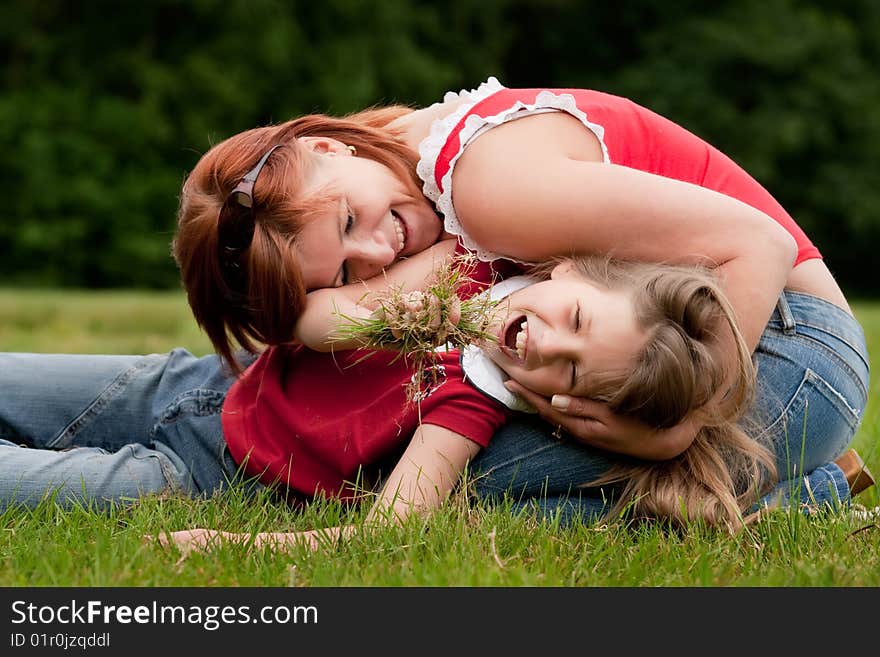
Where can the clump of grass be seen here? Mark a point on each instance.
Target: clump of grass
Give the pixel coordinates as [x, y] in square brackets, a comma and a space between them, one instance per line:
[418, 323]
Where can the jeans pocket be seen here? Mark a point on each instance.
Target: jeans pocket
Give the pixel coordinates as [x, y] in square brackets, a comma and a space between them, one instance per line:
[198, 402]
[813, 427]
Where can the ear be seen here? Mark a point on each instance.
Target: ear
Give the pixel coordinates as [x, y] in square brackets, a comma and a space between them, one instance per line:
[564, 269]
[324, 146]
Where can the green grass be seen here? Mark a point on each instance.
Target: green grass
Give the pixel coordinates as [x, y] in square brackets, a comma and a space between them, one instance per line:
[459, 546]
[105, 322]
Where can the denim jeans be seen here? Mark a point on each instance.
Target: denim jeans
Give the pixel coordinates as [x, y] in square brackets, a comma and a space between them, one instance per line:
[90, 429]
[812, 366]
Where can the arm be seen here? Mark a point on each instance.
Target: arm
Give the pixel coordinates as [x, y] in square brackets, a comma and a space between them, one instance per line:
[319, 320]
[546, 170]
[541, 171]
[593, 424]
[423, 478]
[427, 472]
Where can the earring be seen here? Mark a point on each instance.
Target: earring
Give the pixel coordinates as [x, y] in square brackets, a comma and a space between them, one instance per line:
[354, 151]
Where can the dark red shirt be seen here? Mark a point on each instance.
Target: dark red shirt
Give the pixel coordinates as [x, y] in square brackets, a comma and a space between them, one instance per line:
[311, 420]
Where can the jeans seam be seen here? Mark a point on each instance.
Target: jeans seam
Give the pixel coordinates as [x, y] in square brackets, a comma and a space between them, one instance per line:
[100, 402]
[858, 350]
[518, 458]
[845, 337]
[827, 352]
[855, 412]
[851, 417]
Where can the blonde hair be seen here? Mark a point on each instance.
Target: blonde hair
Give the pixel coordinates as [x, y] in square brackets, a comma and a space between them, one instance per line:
[265, 307]
[684, 367]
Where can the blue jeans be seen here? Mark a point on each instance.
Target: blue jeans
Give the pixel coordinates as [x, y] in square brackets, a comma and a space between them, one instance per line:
[91, 429]
[812, 389]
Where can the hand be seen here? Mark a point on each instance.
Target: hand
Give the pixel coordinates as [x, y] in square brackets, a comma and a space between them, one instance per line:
[320, 321]
[288, 541]
[420, 317]
[200, 540]
[205, 540]
[594, 424]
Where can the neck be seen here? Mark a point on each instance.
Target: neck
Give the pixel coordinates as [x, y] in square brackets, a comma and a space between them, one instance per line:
[416, 125]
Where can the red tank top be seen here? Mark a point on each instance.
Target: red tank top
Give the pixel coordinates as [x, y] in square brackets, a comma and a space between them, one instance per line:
[631, 136]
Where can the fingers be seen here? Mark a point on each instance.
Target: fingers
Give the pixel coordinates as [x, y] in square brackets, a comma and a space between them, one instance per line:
[187, 540]
[573, 425]
[541, 404]
[164, 539]
[560, 407]
[580, 407]
[578, 420]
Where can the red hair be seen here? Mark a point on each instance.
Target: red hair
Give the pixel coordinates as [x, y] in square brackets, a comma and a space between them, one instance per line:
[266, 310]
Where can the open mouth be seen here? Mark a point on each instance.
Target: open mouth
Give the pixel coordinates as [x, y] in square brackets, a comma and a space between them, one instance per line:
[400, 230]
[516, 337]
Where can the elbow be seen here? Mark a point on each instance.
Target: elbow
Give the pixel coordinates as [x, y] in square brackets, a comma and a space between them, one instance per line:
[781, 245]
[317, 323]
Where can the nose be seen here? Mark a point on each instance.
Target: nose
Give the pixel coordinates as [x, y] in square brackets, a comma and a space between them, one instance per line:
[551, 345]
[369, 256]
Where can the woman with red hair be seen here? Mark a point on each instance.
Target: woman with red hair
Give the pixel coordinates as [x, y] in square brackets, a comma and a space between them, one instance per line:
[520, 175]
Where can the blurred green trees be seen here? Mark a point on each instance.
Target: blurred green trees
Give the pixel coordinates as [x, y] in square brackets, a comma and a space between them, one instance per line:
[106, 105]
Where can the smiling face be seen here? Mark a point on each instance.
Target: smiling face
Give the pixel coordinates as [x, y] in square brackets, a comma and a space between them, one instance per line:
[553, 335]
[374, 221]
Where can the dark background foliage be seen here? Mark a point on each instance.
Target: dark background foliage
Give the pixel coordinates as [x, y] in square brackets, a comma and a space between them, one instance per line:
[106, 105]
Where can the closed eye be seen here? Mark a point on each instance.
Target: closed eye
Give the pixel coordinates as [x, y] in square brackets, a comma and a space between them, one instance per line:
[350, 216]
[576, 325]
[342, 277]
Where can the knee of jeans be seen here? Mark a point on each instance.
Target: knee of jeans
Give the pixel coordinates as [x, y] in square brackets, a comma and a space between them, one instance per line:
[173, 471]
[511, 481]
[502, 470]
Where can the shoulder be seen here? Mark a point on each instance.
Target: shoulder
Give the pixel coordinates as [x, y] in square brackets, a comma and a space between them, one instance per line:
[501, 181]
[475, 168]
[522, 145]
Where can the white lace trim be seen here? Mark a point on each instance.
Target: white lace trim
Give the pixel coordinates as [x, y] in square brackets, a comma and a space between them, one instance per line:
[430, 147]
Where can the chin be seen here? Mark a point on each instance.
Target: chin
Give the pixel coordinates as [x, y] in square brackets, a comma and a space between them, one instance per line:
[430, 235]
[534, 386]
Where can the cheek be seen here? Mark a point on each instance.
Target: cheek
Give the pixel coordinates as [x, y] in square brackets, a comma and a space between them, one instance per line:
[317, 276]
[542, 381]
[319, 262]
